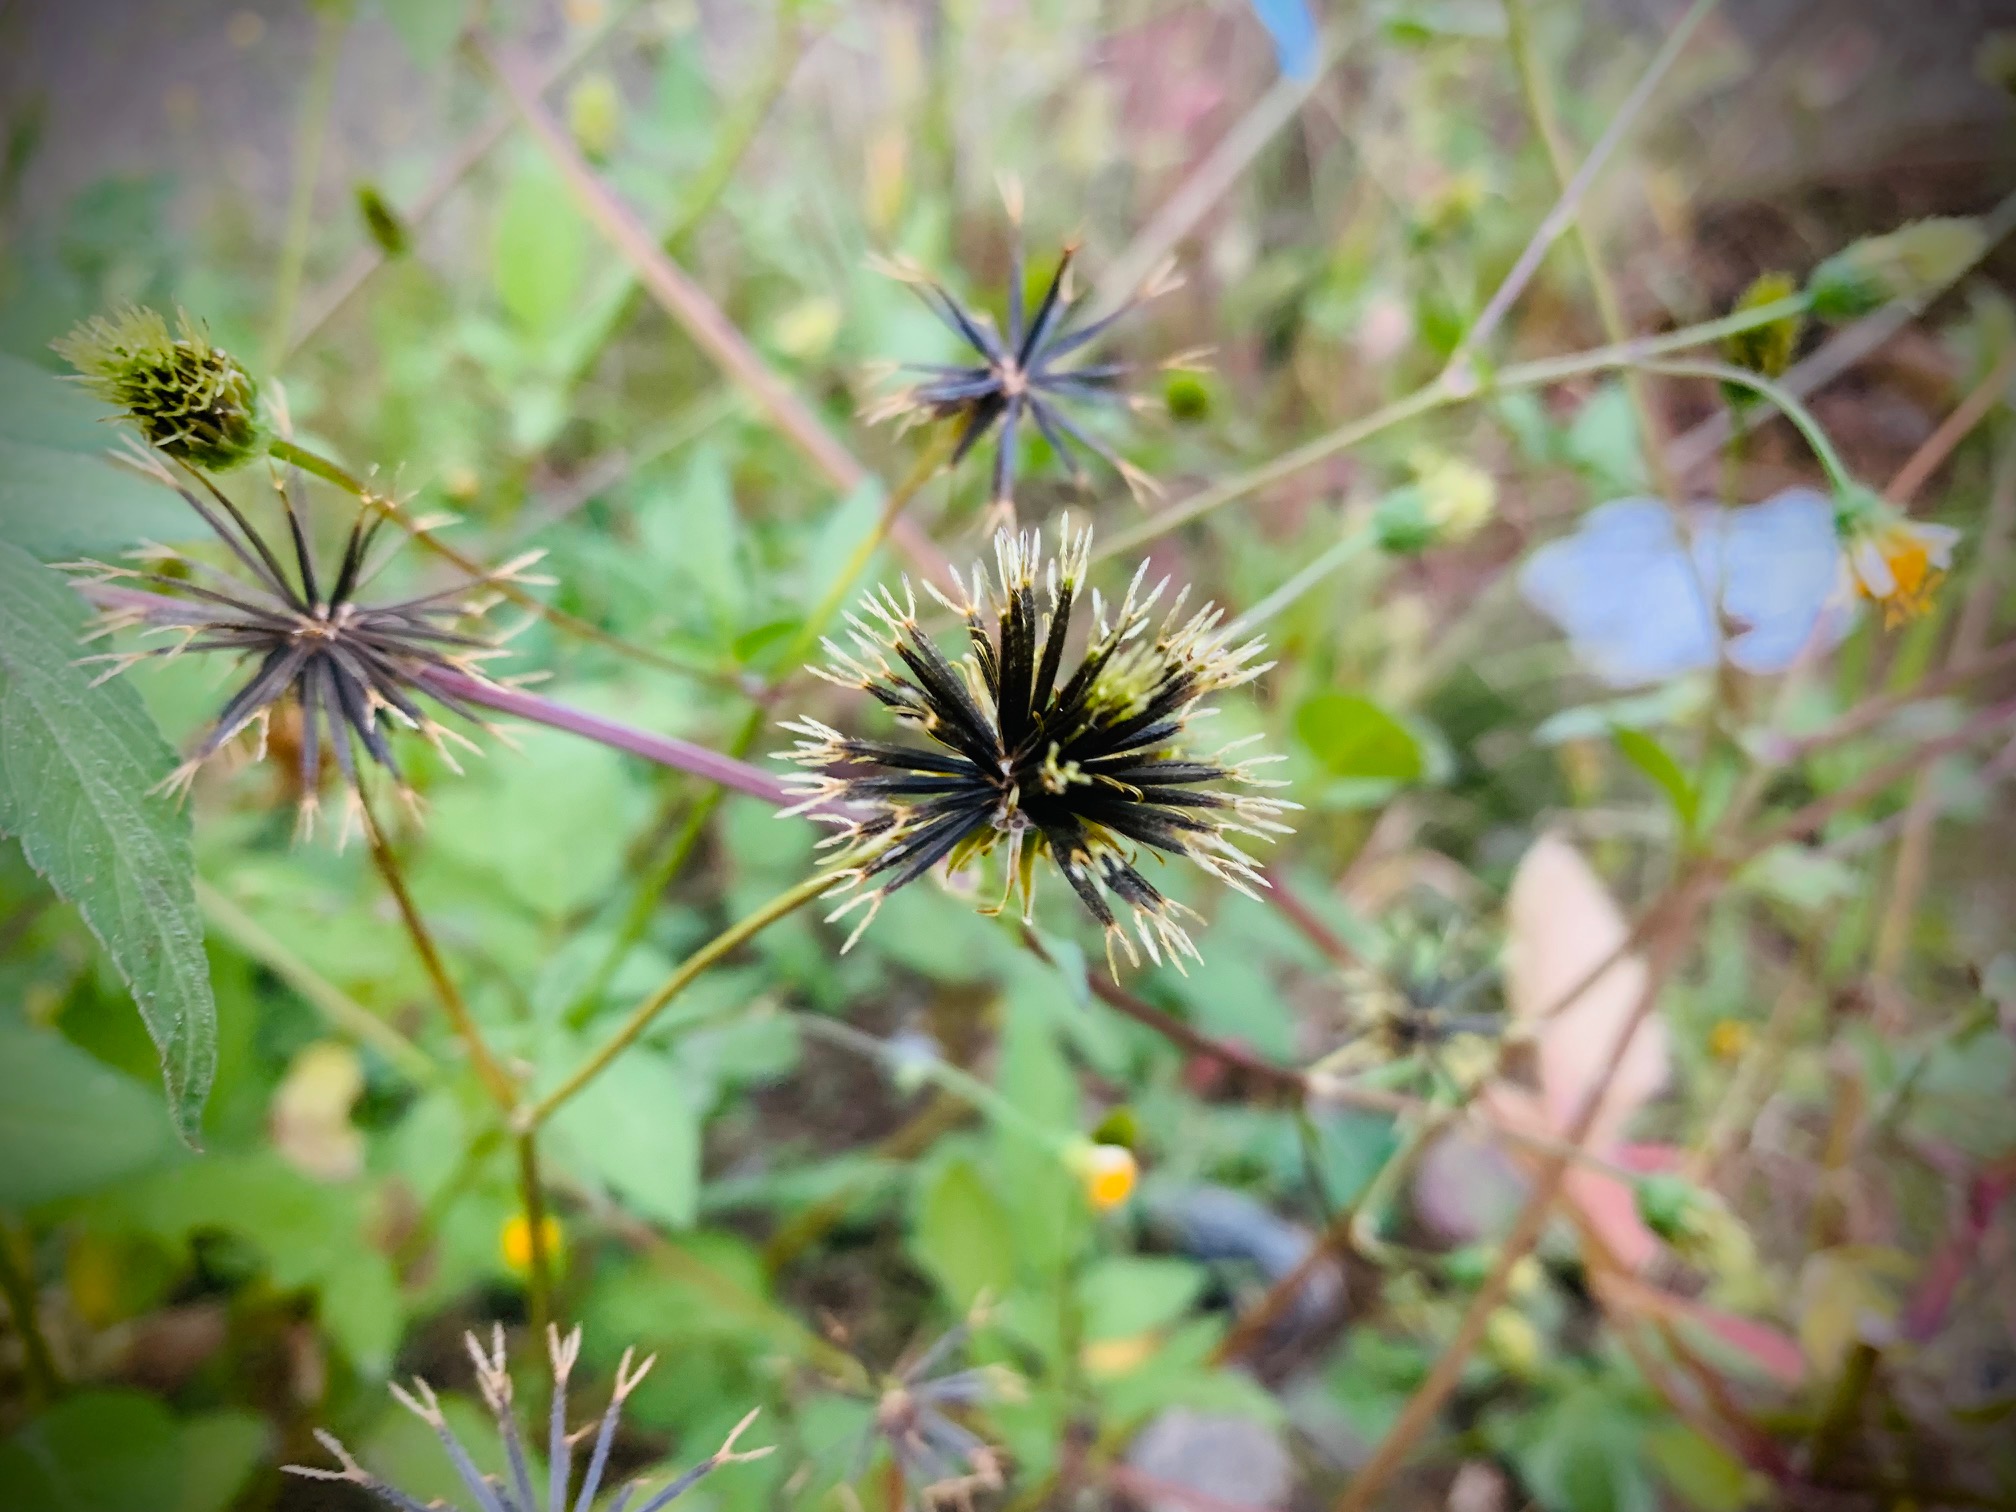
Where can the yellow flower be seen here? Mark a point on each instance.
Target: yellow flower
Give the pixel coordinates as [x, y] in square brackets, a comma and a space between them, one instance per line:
[514, 1243]
[1108, 1172]
[1728, 1039]
[1899, 562]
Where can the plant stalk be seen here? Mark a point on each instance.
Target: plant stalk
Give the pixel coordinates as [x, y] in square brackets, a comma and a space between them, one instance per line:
[694, 966]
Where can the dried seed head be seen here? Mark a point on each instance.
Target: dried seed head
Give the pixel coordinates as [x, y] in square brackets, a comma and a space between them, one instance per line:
[349, 666]
[494, 1381]
[1087, 765]
[1032, 376]
[190, 398]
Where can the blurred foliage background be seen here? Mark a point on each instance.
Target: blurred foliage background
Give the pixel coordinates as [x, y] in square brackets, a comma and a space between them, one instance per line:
[1781, 1273]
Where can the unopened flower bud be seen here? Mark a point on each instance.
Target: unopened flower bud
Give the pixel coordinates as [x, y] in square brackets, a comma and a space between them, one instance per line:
[1107, 1172]
[1911, 263]
[1766, 350]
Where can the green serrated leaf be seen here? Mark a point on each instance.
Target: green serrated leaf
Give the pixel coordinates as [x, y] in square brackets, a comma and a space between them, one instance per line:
[78, 766]
[1656, 762]
[68, 1122]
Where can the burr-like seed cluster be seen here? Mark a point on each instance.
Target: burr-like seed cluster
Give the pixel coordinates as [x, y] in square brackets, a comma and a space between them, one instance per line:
[1091, 766]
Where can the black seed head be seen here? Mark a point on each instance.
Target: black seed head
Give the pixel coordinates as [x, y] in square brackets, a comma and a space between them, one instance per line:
[1088, 766]
[346, 664]
[190, 399]
[1034, 376]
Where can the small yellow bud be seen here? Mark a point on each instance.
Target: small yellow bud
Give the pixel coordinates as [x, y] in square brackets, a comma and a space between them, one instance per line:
[1513, 1341]
[1766, 350]
[514, 1243]
[1107, 1171]
[1728, 1040]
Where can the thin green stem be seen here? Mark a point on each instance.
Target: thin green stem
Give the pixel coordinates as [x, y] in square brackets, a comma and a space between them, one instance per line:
[316, 465]
[694, 966]
[496, 1080]
[17, 1285]
[316, 99]
[659, 876]
[337, 1006]
[736, 134]
[1569, 206]
[532, 1198]
[1538, 90]
[1442, 393]
[1794, 410]
[1356, 541]
[922, 470]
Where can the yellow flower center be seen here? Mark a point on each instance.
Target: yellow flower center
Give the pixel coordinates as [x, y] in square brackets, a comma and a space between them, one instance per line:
[1108, 1172]
[1913, 577]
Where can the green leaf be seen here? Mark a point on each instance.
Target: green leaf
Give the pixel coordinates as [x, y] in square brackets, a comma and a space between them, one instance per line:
[361, 1310]
[428, 28]
[963, 1236]
[220, 1450]
[1656, 762]
[636, 1127]
[1127, 1295]
[540, 253]
[68, 1122]
[59, 493]
[78, 766]
[691, 525]
[1603, 441]
[1699, 1472]
[1353, 737]
[99, 1451]
[1585, 1454]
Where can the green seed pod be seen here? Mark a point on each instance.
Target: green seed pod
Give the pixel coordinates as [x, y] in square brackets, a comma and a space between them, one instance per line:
[190, 399]
[1913, 262]
[1767, 349]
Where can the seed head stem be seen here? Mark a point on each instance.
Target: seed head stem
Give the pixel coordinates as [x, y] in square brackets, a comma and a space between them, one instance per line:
[694, 966]
[496, 1080]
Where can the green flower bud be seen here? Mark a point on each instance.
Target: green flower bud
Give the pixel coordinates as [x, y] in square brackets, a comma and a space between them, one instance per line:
[1912, 262]
[1188, 397]
[595, 115]
[386, 229]
[1449, 500]
[1767, 349]
[190, 399]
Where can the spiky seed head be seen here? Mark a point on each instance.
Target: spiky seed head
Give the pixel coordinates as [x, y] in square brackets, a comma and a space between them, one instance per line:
[1031, 372]
[1089, 764]
[494, 1381]
[348, 665]
[190, 398]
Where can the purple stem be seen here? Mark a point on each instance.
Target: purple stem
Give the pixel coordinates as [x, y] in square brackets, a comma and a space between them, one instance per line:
[666, 750]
